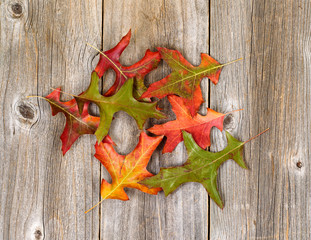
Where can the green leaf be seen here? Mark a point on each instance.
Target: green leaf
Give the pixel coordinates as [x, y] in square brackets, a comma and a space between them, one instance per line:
[123, 100]
[201, 167]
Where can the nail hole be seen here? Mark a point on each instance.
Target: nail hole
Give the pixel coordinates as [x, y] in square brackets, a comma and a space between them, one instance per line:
[299, 164]
[38, 234]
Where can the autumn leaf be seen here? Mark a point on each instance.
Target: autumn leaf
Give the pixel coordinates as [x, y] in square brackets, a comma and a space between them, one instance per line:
[110, 60]
[76, 124]
[199, 126]
[126, 171]
[185, 79]
[123, 100]
[201, 167]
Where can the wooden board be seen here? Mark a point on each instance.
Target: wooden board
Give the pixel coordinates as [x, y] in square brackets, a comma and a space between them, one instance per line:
[272, 199]
[44, 195]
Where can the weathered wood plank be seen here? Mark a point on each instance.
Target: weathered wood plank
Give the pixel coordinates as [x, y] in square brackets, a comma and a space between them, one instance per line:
[44, 195]
[271, 200]
[182, 25]
[42, 45]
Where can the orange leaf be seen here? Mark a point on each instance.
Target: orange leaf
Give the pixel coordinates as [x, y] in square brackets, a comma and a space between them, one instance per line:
[126, 171]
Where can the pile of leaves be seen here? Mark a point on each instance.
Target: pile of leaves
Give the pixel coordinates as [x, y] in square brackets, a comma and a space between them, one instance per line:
[129, 94]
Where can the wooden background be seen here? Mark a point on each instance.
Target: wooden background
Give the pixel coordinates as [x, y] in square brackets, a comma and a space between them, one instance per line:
[43, 44]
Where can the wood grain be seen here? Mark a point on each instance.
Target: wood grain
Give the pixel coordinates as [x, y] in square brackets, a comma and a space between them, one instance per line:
[272, 199]
[44, 195]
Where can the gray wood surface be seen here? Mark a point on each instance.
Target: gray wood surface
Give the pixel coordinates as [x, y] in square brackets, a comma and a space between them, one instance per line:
[43, 195]
[272, 199]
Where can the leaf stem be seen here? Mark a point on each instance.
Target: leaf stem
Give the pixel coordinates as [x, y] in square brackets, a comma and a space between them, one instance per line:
[95, 206]
[36, 97]
[256, 136]
[228, 63]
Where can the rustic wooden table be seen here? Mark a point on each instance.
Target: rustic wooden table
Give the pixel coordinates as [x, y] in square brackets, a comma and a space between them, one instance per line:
[43, 195]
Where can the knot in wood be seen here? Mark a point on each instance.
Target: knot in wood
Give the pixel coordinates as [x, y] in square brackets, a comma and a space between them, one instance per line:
[15, 9]
[26, 112]
[229, 122]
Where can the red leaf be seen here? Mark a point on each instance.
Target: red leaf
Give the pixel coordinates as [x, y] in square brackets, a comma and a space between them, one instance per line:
[110, 59]
[199, 126]
[126, 171]
[76, 124]
[185, 79]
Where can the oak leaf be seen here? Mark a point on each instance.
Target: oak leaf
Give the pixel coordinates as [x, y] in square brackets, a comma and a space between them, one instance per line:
[126, 171]
[76, 124]
[123, 100]
[185, 79]
[110, 60]
[201, 167]
[199, 126]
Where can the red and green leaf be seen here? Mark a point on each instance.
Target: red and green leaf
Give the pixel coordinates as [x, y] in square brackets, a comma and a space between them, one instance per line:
[76, 124]
[110, 60]
[199, 126]
[185, 79]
